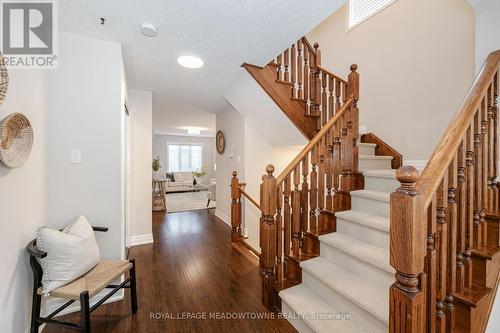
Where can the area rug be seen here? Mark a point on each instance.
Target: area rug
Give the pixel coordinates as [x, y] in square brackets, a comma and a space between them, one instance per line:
[185, 201]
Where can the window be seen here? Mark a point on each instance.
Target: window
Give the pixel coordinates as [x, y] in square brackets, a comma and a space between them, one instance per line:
[184, 157]
[361, 10]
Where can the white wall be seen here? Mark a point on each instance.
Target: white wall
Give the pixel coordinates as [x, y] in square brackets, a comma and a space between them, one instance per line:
[140, 108]
[160, 142]
[23, 198]
[85, 104]
[487, 29]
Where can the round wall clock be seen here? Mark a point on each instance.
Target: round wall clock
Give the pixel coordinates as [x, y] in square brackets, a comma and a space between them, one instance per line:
[220, 142]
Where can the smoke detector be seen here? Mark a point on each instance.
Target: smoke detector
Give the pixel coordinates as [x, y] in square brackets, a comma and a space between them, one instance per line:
[149, 30]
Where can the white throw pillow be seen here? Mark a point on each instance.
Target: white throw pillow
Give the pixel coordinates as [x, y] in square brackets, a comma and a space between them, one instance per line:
[71, 253]
[178, 177]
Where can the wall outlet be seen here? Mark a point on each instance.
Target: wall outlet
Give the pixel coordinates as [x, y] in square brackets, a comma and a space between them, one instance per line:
[75, 156]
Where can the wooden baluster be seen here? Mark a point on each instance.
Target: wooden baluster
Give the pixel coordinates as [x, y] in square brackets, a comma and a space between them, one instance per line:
[321, 177]
[355, 136]
[279, 62]
[304, 224]
[484, 172]
[286, 56]
[317, 82]
[296, 214]
[461, 217]
[324, 99]
[287, 242]
[491, 146]
[338, 91]
[268, 239]
[430, 267]
[300, 70]
[337, 159]
[469, 210]
[294, 69]
[312, 61]
[478, 168]
[235, 208]
[314, 189]
[349, 157]
[329, 174]
[408, 234]
[344, 92]
[331, 98]
[279, 234]
[441, 243]
[343, 144]
[495, 138]
[452, 220]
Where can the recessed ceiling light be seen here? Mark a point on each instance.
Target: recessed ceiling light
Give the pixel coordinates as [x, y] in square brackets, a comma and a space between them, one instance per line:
[190, 61]
[193, 131]
[149, 30]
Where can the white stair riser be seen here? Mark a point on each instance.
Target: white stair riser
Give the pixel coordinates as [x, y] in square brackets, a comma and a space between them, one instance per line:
[382, 184]
[366, 234]
[374, 164]
[332, 297]
[366, 150]
[375, 207]
[356, 266]
[292, 317]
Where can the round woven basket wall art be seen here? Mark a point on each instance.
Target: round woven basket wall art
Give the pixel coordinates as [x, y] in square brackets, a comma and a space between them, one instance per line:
[16, 140]
[4, 80]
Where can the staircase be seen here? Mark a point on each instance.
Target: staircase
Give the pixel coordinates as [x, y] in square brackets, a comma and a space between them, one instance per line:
[349, 280]
[351, 240]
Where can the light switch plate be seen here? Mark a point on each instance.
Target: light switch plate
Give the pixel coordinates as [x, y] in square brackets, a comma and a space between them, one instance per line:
[75, 156]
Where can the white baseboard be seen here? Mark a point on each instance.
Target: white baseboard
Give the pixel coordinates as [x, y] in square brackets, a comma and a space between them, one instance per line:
[141, 239]
[226, 219]
[418, 164]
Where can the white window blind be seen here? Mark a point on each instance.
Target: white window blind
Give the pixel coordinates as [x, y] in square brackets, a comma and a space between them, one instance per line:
[184, 157]
[361, 10]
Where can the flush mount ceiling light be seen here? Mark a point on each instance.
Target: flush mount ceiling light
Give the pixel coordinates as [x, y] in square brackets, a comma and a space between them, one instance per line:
[190, 61]
[149, 30]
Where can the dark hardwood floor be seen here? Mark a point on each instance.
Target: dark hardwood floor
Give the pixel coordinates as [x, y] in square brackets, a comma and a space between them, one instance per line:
[191, 269]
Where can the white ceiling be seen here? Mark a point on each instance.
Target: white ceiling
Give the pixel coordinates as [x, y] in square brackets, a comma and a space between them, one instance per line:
[224, 33]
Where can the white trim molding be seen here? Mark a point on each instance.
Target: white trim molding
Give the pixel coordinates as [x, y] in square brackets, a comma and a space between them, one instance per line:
[226, 219]
[419, 164]
[141, 239]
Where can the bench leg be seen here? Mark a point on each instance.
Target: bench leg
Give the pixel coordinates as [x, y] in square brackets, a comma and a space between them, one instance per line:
[133, 288]
[35, 311]
[85, 312]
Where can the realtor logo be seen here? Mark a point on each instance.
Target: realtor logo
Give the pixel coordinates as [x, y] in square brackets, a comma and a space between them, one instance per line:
[29, 33]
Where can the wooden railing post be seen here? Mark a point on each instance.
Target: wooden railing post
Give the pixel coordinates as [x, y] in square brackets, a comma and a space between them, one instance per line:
[353, 89]
[316, 80]
[268, 236]
[408, 239]
[235, 208]
[353, 83]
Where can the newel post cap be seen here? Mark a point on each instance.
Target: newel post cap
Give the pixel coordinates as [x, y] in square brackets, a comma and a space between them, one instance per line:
[235, 173]
[354, 67]
[270, 169]
[407, 175]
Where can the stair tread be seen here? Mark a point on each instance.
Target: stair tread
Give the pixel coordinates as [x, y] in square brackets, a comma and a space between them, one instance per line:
[371, 194]
[371, 297]
[305, 302]
[319, 231]
[375, 157]
[302, 256]
[366, 144]
[371, 254]
[381, 173]
[473, 296]
[487, 252]
[366, 219]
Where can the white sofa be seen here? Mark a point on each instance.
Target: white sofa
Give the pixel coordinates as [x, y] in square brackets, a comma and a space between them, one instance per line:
[183, 182]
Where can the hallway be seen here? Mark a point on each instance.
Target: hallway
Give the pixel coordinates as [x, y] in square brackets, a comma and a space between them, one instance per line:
[191, 270]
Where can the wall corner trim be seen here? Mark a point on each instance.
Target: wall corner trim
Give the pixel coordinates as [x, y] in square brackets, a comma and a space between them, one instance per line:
[141, 239]
[226, 219]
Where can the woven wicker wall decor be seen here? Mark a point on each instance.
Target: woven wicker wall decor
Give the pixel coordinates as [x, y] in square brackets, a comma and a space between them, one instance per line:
[4, 80]
[16, 140]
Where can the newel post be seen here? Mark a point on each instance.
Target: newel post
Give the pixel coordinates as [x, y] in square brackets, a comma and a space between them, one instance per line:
[235, 208]
[407, 312]
[353, 89]
[353, 83]
[268, 236]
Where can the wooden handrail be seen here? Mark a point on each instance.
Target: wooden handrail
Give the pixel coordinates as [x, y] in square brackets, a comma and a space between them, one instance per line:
[314, 141]
[306, 42]
[431, 176]
[326, 71]
[249, 198]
